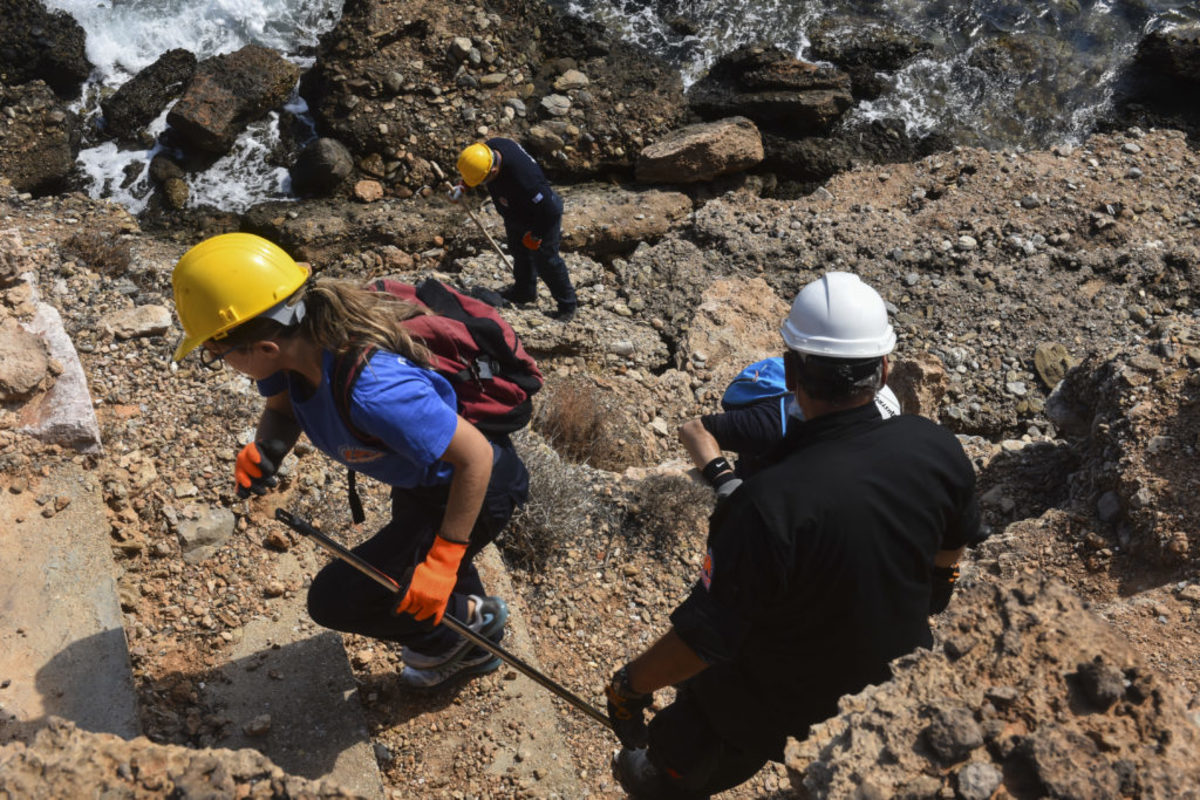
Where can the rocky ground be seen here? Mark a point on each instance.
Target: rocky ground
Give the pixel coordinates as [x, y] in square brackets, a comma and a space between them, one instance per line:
[1005, 272]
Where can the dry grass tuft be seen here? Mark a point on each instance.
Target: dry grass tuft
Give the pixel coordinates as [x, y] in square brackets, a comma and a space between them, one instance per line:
[103, 253]
[584, 424]
[663, 510]
[562, 507]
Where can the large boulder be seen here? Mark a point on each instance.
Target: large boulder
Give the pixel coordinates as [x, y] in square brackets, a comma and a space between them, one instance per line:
[1158, 87]
[1174, 54]
[775, 90]
[142, 98]
[39, 138]
[36, 44]
[702, 152]
[1032, 695]
[816, 158]
[864, 47]
[602, 220]
[230, 91]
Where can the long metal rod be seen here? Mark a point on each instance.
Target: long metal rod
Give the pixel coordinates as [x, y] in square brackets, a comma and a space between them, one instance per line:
[478, 222]
[456, 625]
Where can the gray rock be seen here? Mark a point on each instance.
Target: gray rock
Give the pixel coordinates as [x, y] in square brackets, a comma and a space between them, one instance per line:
[199, 538]
[556, 104]
[66, 417]
[1108, 507]
[977, 780]
[137, 322]
[323, 166]
[953, 734]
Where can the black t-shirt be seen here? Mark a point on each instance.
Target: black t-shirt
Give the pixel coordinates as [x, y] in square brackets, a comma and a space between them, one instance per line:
[750, 431]
[521, 192]
[819, 570]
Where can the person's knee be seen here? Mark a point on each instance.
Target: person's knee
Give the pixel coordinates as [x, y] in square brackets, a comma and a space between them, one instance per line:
[325, 597]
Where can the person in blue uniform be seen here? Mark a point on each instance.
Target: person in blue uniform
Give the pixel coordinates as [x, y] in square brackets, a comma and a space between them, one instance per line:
[532, 213]
[243, 301]
[820, 569]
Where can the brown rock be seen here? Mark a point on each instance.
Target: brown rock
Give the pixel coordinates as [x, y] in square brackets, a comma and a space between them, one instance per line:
[920, 382]
[702, 152]
[368, 191]
[24, 363]
[228, 92]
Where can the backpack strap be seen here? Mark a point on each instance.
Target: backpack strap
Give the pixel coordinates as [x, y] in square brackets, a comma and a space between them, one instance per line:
[347, 367]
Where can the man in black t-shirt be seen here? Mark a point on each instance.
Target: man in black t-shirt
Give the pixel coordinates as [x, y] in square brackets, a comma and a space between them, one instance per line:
[820, 569]
[532, 213]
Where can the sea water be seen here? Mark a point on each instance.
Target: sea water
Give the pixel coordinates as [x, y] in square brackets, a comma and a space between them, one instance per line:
[125, 36]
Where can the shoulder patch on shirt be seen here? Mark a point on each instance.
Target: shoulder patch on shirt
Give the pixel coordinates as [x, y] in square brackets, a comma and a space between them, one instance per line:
[706, 570]
[537, 198]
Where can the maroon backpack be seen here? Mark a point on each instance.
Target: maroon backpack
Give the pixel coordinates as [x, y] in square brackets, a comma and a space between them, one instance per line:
[473, 347]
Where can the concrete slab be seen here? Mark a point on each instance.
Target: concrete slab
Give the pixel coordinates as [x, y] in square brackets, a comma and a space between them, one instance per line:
[62, 643]
[296, 672]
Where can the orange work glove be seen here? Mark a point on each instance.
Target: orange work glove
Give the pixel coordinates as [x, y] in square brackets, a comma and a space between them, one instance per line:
[256, 466]
[530, 241]
[433, 580]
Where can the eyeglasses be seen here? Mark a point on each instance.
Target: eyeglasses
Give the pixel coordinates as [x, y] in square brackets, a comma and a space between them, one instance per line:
[214, 360]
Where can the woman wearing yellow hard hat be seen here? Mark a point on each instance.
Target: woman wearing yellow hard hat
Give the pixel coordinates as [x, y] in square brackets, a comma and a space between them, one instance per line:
[243, 301]
[532, 213]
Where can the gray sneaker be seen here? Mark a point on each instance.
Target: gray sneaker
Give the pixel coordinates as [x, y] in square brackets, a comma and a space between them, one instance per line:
[423, 671]
[640, 779]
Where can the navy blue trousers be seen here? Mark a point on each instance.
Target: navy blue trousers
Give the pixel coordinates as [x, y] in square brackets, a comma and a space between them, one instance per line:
[545, 262]
[344, 599]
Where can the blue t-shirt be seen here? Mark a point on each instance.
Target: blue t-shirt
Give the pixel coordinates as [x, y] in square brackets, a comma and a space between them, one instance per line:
[410, 409]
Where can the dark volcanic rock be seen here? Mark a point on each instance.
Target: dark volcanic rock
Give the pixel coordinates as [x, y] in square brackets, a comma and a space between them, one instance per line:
[864, 47]
[35, 43]
[1159, 86]
[773, 89]
[815, 158]
[322, 167]
[39, 138]
[230, 91]
[139, 100]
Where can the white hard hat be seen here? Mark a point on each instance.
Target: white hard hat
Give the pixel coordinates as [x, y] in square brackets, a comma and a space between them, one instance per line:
[839, 316]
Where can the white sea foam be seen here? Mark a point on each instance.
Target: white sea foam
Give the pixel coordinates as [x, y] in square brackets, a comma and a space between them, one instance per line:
[125, 36]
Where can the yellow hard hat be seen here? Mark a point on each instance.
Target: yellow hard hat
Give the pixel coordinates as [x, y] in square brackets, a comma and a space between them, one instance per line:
[474, 163]
[228, 279]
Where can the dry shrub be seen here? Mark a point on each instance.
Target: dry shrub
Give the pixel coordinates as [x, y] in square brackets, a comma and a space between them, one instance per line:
[561, 508]
[584, 424]
[103, 253]
[665, 509]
